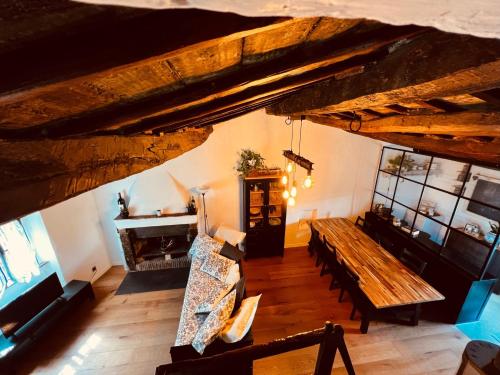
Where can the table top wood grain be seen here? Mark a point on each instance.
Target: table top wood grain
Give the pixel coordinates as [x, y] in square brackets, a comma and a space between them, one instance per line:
[382, 277]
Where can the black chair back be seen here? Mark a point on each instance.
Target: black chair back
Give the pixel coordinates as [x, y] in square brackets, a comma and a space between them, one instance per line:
[332, 259]
[350, 276]
[413, 262]
[315, 238]
[360, 222]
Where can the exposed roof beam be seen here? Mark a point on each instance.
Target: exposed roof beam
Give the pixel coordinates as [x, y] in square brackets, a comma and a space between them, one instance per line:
[464, 148]
[108, 37]
[458, 124]
[490, 96]
[309, 64]
[147, 86]
[432, 65]
[41, 173]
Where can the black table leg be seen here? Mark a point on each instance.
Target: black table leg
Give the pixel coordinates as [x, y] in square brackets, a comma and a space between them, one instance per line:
[416, 315]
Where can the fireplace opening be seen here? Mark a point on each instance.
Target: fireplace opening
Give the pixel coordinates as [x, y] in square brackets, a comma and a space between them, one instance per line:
[157, 247]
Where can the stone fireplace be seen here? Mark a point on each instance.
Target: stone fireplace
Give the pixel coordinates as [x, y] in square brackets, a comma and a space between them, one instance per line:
[155, 242]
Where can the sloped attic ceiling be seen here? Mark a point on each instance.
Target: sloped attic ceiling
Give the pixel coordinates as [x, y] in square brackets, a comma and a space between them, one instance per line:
[90, 94]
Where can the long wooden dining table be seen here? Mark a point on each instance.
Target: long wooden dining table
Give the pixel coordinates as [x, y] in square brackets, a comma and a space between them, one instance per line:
[382, 277]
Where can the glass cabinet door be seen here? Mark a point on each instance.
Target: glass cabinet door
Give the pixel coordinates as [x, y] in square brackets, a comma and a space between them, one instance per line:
[275, 204]
[256, 201]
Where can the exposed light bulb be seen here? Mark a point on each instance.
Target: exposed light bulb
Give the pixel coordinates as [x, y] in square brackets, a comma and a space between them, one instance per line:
[286, 194]
[289, 167]
[284, 179]
[291, 201]
[308, 182]
[293, 191]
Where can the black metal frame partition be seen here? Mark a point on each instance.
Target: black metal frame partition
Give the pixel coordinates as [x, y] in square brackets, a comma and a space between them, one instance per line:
[458, 196]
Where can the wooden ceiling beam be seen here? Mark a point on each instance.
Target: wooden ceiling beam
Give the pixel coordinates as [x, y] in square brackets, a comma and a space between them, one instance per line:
[38, 174]
[425, 134]
[490, 96]
[318, 60]
[431, 66]
[444, 105]
[457, 124]
[108, 37]
[486, 152]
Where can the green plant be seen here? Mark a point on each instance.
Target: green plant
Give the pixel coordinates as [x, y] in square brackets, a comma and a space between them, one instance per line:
[249, 161]
[407, 163]
[494, 227]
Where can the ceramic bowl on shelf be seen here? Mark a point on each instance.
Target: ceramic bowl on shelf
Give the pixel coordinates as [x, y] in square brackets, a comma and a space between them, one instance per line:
[274, 221]
[254, 210]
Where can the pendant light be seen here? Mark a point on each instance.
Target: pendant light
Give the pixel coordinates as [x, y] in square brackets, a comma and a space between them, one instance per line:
[308, 181]
[291, 166]
[284, 179]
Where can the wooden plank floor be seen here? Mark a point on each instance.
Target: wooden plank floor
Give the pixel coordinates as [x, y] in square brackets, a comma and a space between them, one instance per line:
[131, 334]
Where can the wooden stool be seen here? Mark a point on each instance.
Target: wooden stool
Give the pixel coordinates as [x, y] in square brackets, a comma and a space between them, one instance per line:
[480, 357]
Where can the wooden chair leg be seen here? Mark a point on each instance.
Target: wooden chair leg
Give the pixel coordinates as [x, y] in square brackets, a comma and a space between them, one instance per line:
[333, 284]
[353, 312]
[318, 260]
[341, 295]
[323, 269]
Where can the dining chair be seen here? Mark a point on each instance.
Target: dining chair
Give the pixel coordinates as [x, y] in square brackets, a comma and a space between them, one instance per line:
[350, 282]
[325, 256]
[413, 262]
[333, 263]
[310, 245]
[360, 222]
[316, 245]
[368, 228]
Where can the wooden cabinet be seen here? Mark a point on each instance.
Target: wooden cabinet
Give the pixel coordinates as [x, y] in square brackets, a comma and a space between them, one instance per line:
[264, 216]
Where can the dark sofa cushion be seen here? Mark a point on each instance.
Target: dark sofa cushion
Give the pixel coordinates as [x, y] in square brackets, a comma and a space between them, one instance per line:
[231, 252]
[240, 293]
[29, 304]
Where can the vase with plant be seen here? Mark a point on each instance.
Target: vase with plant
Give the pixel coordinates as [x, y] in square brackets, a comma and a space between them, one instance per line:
[492, 234]
[249, 161]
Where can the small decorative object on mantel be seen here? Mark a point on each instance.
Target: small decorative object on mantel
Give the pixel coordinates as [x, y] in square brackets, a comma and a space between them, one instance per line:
[123, 206]
[191, 206]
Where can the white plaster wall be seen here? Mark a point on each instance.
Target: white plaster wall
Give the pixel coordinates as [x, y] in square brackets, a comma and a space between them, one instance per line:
[478, 17]
[345, 169]
[77, 237]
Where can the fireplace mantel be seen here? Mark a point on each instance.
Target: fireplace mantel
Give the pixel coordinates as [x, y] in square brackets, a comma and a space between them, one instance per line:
[142, 221]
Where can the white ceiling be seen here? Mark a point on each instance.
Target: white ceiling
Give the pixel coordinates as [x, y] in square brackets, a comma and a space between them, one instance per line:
[478, 17]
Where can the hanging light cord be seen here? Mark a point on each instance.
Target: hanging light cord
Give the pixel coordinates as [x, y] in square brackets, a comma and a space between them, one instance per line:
[291, 141]
[300, 134]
